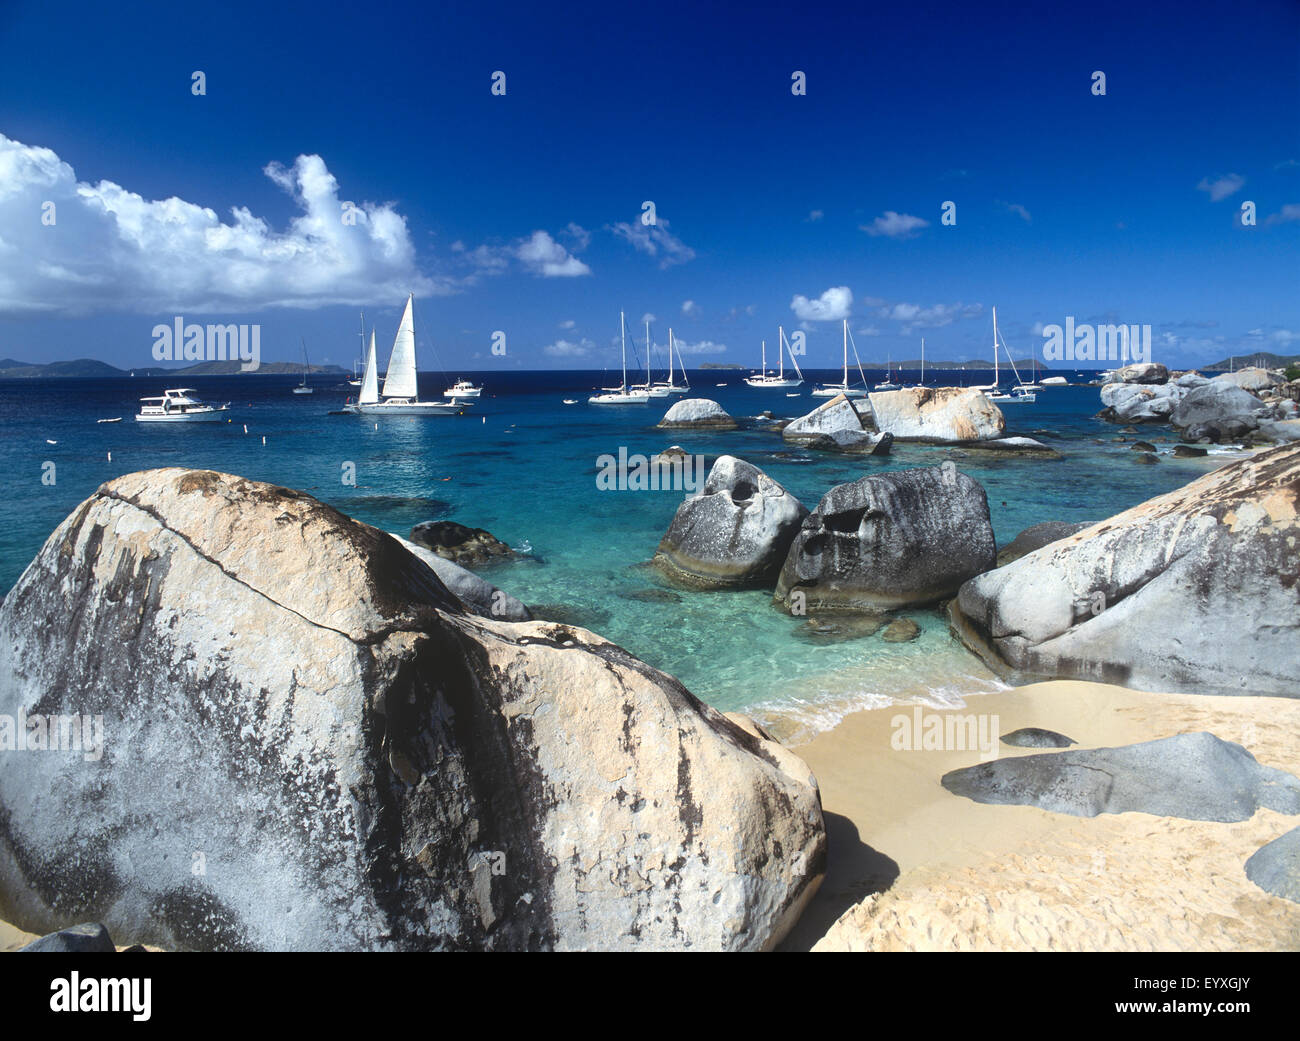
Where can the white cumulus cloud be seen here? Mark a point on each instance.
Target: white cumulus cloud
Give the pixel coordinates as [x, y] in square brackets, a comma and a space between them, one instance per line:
[655, 240]
[831, 306]
[545, 257]
[895, 225]
[1221, 187]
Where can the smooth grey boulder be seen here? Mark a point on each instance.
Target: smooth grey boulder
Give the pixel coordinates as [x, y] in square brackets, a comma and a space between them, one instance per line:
[890, 540]
[1195, 591]
[1188, 380]
[1281, 431]
[735, 533]
[837, 414]
[1036, 536]
[478, 594]
[87, 938]
[1275, 867]
[852, 442]
[310, 744]
[1221, 411]
[1255, 379]
[1142, 372]
[942, 415]
[1193, 776]
[1036, 737]
[697, 414]
[1140, 403]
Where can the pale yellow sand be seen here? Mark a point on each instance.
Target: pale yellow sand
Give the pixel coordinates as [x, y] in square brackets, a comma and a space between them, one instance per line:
[12, 938]
[967, 876]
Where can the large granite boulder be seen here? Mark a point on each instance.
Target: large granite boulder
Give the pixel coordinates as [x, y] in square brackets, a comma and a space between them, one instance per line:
[1195, 776]
[478, 594]
[1193, 591]
[889, 540]
[1220, 411]
[1141, 372]
[830, 417]
[309, 744]
[735, 533]
[1140, 403]
[697, 414]
[937, 414]
[1253, 379]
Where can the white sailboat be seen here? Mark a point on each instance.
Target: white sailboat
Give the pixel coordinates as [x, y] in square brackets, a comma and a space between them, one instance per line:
[302, 387]
[889, 383]
[620, 395]
[993, 391]
[662, 390]
[650, 388]
[401, 395]
[764, 380]
[1022, 393]
[830, 390]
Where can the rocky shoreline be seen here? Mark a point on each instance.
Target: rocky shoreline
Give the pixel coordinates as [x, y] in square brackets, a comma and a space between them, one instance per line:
[306, 713]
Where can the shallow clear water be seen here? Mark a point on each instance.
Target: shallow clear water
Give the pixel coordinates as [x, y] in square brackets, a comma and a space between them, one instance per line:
[523, 465]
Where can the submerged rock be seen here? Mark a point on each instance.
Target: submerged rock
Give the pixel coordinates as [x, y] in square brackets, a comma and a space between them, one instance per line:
[1195, 591]
[901, 630]
[735, 533]
[937, 414]
[357, 763]
[841, 628]
[852, 442]
[890, 540]
[697, 414]
[1193, 776]
[460, 544]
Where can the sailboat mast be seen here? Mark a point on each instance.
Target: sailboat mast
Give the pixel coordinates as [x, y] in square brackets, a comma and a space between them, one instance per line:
[622, 336]
[764, 371]
[846, 354]
[995, 346]
[923, 360]
[780, 360]
[647, 353]
[670, 357]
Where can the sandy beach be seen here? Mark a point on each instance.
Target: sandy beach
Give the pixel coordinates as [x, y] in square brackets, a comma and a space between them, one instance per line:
[914, 867]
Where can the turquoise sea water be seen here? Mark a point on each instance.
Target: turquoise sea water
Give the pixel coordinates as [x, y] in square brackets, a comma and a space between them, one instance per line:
[523, 465]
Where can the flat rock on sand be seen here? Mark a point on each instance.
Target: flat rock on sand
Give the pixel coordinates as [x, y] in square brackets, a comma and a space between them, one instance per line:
[1195, 776]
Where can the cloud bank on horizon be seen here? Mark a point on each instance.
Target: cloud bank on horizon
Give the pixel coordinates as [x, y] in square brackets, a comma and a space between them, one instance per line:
[101, 247]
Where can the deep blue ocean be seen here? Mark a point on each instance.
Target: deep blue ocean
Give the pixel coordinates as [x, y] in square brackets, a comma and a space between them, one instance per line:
[523, 465]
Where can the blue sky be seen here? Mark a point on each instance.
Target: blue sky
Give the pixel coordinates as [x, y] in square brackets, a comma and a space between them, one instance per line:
[522, 212]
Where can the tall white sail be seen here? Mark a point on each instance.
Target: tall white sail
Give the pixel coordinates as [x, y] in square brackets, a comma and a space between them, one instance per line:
[400, 380]
[370, 382]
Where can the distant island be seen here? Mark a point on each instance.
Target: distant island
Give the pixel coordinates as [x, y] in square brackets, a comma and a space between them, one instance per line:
[719, 365]
[88, 368]
[1263, 359]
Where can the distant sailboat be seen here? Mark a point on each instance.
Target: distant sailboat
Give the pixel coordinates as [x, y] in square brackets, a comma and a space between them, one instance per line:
[302, 387]
[662, 390]
[650, 388]
[889, 383]
[830, 390]
[355, 381]
[620, 395]
[765, 380]
[401, 395]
